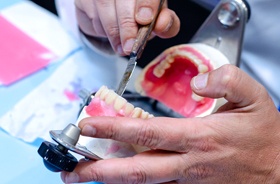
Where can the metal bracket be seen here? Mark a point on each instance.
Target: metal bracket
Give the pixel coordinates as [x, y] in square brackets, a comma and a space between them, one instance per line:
[224, 28]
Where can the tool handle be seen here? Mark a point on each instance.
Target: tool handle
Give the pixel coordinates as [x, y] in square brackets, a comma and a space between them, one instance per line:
[144, 34]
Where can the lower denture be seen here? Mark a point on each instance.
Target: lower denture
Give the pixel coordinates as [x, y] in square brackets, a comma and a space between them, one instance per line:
[107, 103]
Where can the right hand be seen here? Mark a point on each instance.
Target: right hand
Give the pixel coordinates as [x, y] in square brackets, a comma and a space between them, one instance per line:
[238, 144]
[118, 20]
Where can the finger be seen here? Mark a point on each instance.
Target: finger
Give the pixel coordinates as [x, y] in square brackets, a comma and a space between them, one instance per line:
[128, 27]
[146, 11]
[88, 18]
[155, 133]
[108, 16]
[168, 23]
[231, 83]
[158, 167]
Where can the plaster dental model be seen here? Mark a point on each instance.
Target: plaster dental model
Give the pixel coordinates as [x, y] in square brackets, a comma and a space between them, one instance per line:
[167, 78]
[107, 103]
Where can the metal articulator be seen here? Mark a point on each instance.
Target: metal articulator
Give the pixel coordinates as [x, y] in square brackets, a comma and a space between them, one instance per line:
[223, 30]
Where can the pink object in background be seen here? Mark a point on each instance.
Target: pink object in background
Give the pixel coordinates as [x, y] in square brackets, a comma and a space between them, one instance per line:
[20, 55]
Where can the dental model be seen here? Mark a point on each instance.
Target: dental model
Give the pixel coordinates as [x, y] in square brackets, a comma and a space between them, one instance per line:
[167, 78]
[107, 103]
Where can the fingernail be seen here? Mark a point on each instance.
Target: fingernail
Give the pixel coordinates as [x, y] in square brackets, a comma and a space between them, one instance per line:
[88, 130]
[145, 14]
[72, 178]
[200, 81]
[128, 45]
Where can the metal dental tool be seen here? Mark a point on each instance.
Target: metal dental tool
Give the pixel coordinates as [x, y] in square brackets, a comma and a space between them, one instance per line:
[137, 49]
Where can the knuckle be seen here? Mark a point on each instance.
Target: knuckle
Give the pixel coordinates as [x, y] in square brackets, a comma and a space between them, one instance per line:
[207, 144]
[198, 172]
[95, 175]
[146, 136]
[135, 176]
[113, 32]
[104, 3]
[111, 131]
[127, 22]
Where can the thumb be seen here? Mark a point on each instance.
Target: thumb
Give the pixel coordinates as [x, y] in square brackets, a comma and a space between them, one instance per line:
[231, 83]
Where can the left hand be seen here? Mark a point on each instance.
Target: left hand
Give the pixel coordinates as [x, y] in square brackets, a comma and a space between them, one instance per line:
[238, 144]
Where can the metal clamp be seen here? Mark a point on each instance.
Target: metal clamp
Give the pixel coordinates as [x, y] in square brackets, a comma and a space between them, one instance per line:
[57, 157]
[224, 28]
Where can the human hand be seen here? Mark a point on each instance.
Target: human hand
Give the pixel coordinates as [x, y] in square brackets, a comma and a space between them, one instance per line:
[118, 20]
[237, 144]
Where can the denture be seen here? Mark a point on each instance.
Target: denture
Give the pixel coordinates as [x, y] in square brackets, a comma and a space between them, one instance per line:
[167, 78]
[107, 103]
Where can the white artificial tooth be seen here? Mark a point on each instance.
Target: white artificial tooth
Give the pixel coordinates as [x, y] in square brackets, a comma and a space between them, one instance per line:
[158, 72]
[97, 94]
[166, 65]
[169, 56]
[160, 68]
[104, 93]
[128, 108]
[161, 65]
[202, 68]
[151, 116]
[136, 113]
[144, 115]
[170, 59]
[111, 97]
[196, 61]
[196, 97]
[191, 56]
[119, 103]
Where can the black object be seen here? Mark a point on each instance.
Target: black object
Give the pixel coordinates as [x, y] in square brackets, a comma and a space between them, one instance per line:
[56, 157]
[47, 4]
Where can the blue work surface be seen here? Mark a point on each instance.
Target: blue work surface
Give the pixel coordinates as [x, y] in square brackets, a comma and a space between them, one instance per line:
[5, 3]
[20, 163]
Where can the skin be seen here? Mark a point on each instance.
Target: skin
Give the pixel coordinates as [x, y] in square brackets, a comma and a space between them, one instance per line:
[119, 20]
[237, 144]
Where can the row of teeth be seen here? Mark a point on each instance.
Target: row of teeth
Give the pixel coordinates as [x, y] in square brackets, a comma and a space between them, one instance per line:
[160, 69]
[120, 104]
